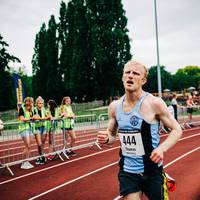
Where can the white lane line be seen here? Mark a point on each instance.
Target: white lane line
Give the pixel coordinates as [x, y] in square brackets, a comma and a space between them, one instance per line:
[76, 179]
[102, 168]
[170, 163]
[180, 157]
[117, 198]
[87, 156]
[187, 137]
[54, 166]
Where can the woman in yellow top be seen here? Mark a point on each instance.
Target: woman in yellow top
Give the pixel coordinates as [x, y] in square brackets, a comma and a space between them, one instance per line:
[53, 113]
[26, 113]
[68, 121]
[40, 128]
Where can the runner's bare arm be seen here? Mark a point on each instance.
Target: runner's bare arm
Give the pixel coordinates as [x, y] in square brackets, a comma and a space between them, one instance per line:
[168, 120]
[109, 135]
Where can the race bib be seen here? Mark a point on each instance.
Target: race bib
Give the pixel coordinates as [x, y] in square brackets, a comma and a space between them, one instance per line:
[131, 143]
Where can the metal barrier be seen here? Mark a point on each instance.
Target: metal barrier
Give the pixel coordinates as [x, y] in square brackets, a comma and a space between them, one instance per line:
[84, 121]
[183, 118]
[102, 121]
[12, 145]
[86, 132]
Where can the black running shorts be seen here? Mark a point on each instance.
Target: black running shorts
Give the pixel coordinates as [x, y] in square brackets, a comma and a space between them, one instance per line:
[151, 184]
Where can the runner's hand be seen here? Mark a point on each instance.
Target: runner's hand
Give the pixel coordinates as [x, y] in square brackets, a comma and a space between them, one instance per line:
[102, 137]
[157, 155]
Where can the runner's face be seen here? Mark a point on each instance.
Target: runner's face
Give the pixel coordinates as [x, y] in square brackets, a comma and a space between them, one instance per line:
[133, 77]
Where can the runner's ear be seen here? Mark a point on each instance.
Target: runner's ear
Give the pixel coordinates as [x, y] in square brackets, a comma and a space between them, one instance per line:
[144, 80]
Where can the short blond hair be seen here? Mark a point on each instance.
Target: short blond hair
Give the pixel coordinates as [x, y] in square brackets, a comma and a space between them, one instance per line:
[39, 99]
[29, 99]
[134, 63]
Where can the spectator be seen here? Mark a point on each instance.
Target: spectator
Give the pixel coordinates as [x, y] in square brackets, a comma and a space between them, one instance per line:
[175, 105]
[68, 116]
[52, 113]
[190, 104]
[26, 113]
[40, 129]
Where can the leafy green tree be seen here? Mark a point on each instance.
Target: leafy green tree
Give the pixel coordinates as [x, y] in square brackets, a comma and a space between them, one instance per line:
[7, 92]
[27, 83]
[75, 57]
[66, 35]
[110, 44]
[5, 57]
[62, 46]
[52, 69]
[46, 73]
[39, 63]
[187, 77]
[81, 70]
[152, 83]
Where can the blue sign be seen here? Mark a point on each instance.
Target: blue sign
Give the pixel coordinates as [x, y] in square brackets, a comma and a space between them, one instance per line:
[19, 90]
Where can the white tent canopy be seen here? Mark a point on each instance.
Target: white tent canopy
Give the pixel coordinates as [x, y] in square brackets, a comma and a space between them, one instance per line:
[166, 90]
[191, 88]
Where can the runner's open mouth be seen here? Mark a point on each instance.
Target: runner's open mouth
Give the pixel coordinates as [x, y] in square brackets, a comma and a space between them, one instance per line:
[129, 82]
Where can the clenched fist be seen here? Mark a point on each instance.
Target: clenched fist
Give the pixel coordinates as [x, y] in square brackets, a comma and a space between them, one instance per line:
[102, 137]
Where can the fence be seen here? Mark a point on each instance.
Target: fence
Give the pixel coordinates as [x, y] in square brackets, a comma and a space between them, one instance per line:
[11, 143]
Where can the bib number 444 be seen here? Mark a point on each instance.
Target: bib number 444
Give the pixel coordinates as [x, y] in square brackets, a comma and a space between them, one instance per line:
[129, 139]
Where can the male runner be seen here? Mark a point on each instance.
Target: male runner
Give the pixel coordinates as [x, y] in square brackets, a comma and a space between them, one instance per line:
[136, 118]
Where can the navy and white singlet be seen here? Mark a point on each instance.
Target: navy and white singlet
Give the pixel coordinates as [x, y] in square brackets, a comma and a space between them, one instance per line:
[138, 138]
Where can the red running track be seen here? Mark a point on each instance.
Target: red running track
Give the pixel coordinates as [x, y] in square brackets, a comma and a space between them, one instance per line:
[93, 174]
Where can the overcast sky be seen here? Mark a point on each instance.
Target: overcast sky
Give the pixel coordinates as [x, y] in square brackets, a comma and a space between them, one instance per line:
[178, 29]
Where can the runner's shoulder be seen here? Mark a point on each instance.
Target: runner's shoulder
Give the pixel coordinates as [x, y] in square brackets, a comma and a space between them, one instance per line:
[114, 103]
[154, 102]
[113, 107]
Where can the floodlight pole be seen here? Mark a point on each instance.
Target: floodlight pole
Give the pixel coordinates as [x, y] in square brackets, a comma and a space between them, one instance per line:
[158, 60]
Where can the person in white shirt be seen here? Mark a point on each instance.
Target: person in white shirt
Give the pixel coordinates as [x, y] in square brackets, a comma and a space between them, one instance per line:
[174, 104]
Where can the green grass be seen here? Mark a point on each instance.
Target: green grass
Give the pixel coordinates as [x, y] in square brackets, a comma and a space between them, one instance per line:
[96, 111]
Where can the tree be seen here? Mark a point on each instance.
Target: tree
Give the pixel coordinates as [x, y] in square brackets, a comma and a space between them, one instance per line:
[52, 69]
[66, 31]
[75, 56]
[39, 63]
[7, 96]
[110, 44]
[152, 84]
[46, 74]
[187, 77]
[82, 72]
[5, 57]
